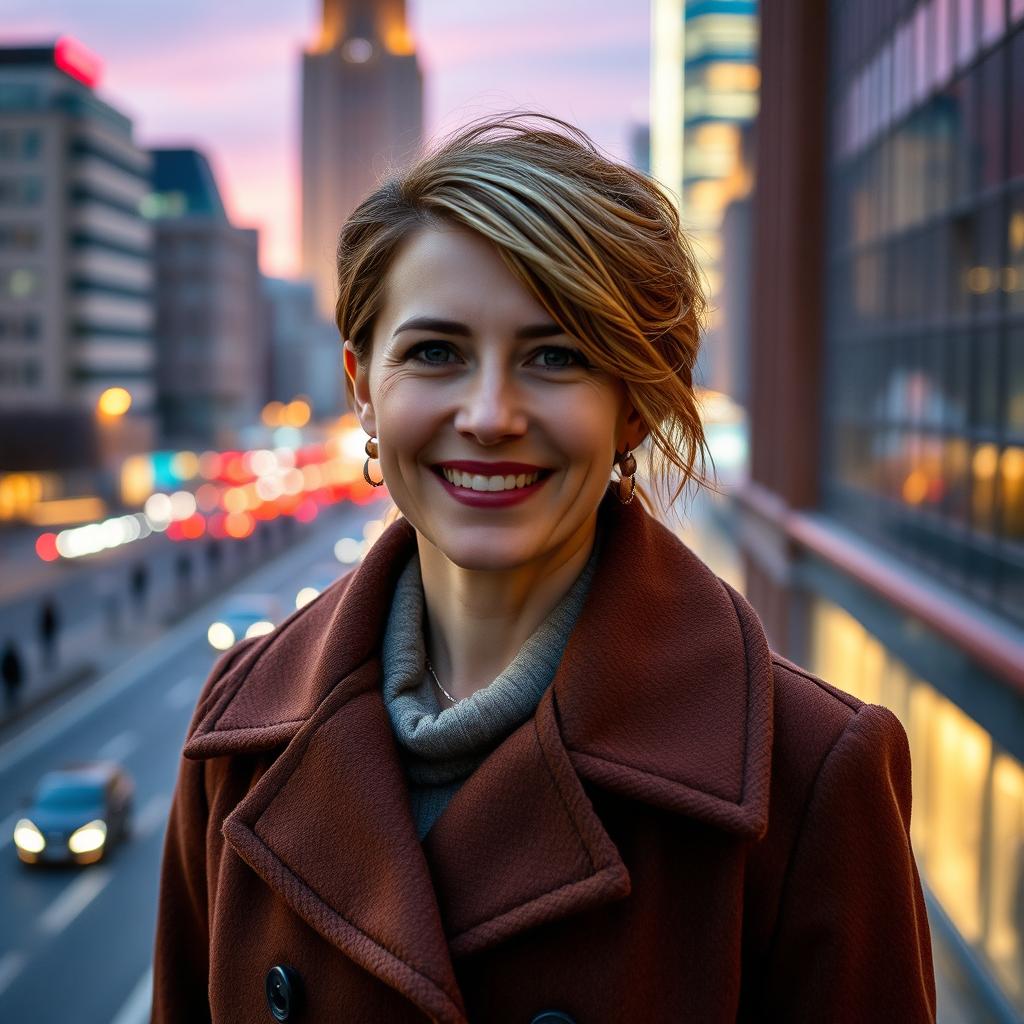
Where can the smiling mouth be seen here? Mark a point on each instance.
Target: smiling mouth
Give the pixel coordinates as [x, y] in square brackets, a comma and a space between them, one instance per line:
[483, 483]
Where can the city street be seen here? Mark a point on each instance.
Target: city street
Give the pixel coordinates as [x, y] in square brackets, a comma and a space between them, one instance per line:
[75, 943]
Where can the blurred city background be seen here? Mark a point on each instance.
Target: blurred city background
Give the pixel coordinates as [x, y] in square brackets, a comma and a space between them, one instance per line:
[178, 468]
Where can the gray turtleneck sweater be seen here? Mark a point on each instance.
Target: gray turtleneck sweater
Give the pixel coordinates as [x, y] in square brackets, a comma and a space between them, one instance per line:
[441, 744]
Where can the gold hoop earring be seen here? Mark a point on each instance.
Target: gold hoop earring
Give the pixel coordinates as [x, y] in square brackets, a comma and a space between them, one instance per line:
[627, 482]
[372, 452]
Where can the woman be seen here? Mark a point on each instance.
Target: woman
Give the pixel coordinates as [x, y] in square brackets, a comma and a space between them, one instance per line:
[532, 761]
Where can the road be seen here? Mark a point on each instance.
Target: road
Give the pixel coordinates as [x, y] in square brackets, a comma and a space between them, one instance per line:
[76, 943]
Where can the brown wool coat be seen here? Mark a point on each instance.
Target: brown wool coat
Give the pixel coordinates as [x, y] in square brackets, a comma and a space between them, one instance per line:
[690, 828]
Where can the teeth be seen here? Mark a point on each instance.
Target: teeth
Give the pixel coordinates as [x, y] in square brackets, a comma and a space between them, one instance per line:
[477, 482]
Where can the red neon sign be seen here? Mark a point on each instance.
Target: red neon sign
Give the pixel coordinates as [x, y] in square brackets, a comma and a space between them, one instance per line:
[72, 57]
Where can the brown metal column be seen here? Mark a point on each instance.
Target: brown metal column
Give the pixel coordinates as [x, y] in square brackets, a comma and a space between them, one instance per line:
[789, 280]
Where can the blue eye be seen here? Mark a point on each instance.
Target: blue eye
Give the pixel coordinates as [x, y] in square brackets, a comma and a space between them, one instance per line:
[564, 357]
[427, 351]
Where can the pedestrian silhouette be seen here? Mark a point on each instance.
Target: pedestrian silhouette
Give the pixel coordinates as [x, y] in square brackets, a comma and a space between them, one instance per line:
[183, 571]
[13, 677]
[48, 626]
[139, 585]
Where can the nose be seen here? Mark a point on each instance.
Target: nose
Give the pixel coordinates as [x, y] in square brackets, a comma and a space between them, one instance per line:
[492, 409]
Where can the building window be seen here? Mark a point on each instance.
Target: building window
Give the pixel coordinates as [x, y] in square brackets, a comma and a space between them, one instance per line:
[966, 28]
[1013, 272]
[943, 41]
[1004, 943]
[926, 288]
[1016, 100]
[25, 190]
[19, 283]
[31, 143]
[19, 327]
[19, 237]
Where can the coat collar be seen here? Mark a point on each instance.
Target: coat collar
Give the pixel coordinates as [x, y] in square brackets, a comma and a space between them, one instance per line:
[663, 695]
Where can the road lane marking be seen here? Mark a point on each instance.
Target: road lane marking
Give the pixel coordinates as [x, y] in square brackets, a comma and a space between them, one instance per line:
[190, 632]
[73, 900]
[118, 747]
[137, 1006]
[10, 964]
[183, 693]
[152, 815]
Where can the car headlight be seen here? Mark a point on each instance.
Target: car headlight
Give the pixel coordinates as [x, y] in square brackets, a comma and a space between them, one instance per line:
[305, 595]
[221, 636]
[261, 628]
[27, 837]
[89, 837]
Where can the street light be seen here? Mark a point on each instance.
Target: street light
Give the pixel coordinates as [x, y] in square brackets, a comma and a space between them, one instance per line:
[114, 403]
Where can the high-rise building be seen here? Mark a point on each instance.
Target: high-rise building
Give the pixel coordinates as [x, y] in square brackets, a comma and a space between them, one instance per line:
[211, 334]
[76, 303]
[305, 351]
[362, 113]
[704, 86]
[883, 525]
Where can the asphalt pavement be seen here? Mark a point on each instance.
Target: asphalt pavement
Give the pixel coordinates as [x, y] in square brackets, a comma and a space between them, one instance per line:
[76, 943]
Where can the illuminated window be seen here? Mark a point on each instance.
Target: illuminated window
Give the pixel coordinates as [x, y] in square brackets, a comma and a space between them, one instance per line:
[984, 465]
[729, 77]
[1011, 476]
[1004, 943]
[956, 763]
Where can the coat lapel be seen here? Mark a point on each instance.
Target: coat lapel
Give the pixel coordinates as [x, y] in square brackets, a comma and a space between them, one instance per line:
[329, 828]
[520, 845]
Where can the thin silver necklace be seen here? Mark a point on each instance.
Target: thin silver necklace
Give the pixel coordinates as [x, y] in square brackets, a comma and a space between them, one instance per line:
[430, 669]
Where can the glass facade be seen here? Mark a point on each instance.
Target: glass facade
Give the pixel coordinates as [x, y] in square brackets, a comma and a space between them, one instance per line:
[924, 400]
[967, 825]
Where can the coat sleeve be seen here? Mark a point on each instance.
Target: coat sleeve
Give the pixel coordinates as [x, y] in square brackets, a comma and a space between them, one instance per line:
[181, 953]
[181, 956]
[852, 941]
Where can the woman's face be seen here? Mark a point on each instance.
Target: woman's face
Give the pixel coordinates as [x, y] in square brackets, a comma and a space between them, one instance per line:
[493, 395]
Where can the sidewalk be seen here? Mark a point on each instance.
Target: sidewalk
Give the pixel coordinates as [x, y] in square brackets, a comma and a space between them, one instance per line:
[85, 651]
[101, 641]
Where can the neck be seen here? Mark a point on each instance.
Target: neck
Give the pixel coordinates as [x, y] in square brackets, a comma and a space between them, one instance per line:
[477, 620]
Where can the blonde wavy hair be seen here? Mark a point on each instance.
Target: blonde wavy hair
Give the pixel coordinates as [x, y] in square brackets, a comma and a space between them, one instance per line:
[597, 243]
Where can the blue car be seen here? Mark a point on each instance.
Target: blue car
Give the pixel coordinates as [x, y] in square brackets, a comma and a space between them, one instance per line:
[76, 815]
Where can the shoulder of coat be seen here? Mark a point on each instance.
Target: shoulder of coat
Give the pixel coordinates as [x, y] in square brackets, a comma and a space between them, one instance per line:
[810, 714]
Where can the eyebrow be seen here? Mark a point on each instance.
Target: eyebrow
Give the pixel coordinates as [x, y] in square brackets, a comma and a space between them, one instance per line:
[429, 323]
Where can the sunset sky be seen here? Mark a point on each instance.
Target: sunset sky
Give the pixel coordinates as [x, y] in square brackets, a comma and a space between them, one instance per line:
[189, 73]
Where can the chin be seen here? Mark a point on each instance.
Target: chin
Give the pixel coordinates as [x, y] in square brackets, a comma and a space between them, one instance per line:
[486, 555]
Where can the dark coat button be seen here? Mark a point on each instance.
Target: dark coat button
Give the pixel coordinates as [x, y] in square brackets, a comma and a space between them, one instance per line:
[283, 992]
[552, 1017]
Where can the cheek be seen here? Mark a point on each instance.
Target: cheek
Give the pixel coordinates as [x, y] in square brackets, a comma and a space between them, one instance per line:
[585, 429]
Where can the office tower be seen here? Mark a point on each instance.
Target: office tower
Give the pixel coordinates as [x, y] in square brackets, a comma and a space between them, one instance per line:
[883, 526]
[211, 334]
[362, 112]
[704, 83]
[305, 350]
[76, 304]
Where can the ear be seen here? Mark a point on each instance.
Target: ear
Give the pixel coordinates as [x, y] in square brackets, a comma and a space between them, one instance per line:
[633, 431]
[358, 377]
